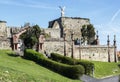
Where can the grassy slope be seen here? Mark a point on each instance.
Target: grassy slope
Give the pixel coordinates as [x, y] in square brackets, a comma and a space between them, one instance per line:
[104, 69]
[16, 69]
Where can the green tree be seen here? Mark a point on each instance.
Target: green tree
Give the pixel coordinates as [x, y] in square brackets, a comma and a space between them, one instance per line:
[31, 36]
[36, 31]
[88, 33]
[84, 34]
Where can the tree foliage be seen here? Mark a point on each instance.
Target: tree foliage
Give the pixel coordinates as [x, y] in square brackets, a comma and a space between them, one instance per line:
[31, 36]
[88, 33]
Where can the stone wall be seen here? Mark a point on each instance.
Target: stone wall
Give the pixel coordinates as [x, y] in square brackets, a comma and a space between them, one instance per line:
[54, 46]
[3, 30]
[4, 33]
[5, 44]
[68, 25]
[9, 32]
[57, 46]
[73, 23]
[93, 52]
[54, 33]
[15, 30]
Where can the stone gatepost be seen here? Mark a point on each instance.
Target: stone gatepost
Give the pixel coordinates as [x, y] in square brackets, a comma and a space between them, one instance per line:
[108, 44]
[115, 51]
[15, 42]
[41, 42]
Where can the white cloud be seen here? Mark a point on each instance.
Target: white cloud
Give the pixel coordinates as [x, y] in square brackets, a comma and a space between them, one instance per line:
[114, 16]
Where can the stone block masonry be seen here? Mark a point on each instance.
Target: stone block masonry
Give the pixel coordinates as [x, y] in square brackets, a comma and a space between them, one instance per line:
[88, 52]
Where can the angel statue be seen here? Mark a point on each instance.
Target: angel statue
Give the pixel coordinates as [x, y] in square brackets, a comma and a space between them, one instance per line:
[62, 11]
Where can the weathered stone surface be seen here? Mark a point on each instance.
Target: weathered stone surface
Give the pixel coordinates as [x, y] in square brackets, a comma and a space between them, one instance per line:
[68, 25]
[5, 35]
[91, 52]
[55, 33]
[56, 42]
[5, 44]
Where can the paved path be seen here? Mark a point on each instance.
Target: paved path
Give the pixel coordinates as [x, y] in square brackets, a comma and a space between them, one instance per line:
[86, 78]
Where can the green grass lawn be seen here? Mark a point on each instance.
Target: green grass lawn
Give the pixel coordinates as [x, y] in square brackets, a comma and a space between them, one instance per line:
[17, 69]
[105, 69]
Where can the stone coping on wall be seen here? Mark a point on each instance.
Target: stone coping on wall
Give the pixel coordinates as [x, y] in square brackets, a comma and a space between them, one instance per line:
[3, 21]
[75, 18]
[54, 39]
[70, 18]
[4, 39]
[94, 46]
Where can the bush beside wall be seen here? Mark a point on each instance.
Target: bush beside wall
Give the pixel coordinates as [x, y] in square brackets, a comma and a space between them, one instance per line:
[67, 60]
[71, 71]
[89, 66]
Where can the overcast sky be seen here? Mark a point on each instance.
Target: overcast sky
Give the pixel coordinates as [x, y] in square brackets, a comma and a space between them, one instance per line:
[103, 14]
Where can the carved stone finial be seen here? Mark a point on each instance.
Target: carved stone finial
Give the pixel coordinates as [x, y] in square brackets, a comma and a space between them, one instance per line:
[108, 37]
[114, 40]
[114, 37]
[108, 41]
[97, 34]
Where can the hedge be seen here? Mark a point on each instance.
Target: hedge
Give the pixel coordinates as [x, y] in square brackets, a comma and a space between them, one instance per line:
[71, 71]
[67, 60]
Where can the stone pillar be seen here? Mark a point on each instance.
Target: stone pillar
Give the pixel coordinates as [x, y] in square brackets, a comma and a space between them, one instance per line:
[40, 47]
[72, 46]
[41, 42]
[97, 39]
[15, 42]
[13, 46]
[64, 45]
[80, 57]
[115, 56]
[108, 44]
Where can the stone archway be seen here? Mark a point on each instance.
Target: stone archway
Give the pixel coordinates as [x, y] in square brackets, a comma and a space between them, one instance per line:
[16, 38]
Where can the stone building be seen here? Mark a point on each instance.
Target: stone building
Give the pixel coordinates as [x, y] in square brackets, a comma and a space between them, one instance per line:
[16, 41]
[65, 30]
[106, 53]
[5, 42]
[9, 36]
[66, 25]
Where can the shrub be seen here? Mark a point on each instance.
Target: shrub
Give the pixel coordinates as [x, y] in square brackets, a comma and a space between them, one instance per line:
[32, 55]
[87, 65]
[59, 58]
[67, 60]
[70, 71]
[118, 58]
